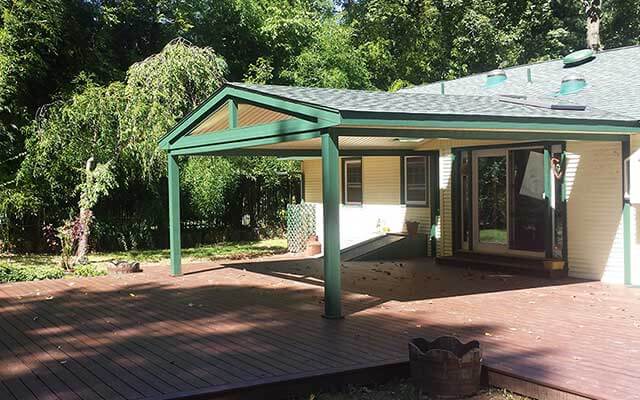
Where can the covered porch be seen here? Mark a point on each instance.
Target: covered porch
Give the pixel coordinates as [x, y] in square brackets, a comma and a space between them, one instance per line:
[331, 125]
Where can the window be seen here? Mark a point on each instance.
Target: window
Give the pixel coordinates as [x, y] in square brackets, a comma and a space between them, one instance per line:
[353, 182]
[416, 183]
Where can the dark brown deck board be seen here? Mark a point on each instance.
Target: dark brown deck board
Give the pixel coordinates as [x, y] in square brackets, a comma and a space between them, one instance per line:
[225, 327]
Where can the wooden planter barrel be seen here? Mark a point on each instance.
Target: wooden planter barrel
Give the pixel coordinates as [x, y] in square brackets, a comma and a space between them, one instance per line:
[445, 368]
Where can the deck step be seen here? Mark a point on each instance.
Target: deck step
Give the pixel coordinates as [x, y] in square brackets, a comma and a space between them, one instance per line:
[522, 265]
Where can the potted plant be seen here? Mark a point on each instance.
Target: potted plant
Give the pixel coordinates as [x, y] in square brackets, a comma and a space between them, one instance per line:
[412, 227]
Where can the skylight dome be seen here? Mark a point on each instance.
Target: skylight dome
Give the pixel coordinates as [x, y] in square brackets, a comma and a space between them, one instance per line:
[572, 84]
[495, 78]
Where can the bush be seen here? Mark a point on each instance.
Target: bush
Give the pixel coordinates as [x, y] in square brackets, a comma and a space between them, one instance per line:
[89, 270]
[19, 273]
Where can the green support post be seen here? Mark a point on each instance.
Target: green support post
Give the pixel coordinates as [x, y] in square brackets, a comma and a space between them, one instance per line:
[331, 216]
[233, 114]
[626, 216]
[174, 215]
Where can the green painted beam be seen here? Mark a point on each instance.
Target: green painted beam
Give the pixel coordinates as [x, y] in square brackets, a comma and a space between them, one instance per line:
[174, 215]
[222, 147]
[233, 113]
[440, 133]
[475, 122]
[331, 219]
[246, 133]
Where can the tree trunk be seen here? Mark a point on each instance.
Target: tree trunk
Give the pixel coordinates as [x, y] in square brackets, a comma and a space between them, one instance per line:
[593, 34]
[85, 218]
[593, 10]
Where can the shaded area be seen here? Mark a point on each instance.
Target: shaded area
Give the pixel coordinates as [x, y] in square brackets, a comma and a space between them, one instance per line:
[149, 336]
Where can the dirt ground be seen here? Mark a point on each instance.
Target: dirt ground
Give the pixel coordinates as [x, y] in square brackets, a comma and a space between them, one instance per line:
[404, 391]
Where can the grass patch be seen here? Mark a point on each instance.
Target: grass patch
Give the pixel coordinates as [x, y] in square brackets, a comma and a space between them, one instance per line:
[230, 250]
[89, 270]
[13, 272]
[29, 267]
[402, 391]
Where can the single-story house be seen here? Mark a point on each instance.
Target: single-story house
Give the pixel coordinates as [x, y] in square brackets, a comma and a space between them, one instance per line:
[537, 164]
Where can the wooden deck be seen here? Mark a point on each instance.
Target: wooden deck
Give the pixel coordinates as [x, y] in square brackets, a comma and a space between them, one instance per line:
[222, 327]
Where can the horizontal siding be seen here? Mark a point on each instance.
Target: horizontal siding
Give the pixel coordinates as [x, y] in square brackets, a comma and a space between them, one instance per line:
[381, 180]
[312, 173]
[381, 206]
[594, 211]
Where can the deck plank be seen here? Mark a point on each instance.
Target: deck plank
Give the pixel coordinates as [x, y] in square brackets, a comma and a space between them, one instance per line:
[239, 324]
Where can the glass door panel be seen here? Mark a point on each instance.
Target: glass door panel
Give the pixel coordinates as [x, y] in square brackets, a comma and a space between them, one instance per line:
[527, 204]
[491, 200]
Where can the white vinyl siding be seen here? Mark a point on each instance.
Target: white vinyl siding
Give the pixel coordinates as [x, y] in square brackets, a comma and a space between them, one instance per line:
[594, 211]
[381, 207]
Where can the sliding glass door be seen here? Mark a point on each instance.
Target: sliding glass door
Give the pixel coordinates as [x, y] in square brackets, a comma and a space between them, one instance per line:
[508, 204]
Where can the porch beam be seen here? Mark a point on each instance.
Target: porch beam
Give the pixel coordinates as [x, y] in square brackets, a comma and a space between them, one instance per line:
[247, 133]
[173, 174]
[488, 123]
[331, 219]
[451, 132]
[243, 144]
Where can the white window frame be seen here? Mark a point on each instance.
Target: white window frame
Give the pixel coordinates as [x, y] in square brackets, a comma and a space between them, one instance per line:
[426, 183]
[346, 182]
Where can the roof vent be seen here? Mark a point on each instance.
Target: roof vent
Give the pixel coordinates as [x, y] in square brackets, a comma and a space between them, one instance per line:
[572, 84]
[578, 58]
[495, 77]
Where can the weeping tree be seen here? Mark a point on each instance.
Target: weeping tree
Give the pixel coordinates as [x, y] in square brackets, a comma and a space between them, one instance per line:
[105, 137]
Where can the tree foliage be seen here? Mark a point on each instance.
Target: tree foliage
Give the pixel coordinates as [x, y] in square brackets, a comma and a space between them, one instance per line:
[96, 78]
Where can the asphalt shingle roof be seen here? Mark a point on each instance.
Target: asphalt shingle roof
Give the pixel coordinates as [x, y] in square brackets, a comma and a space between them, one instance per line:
[415, 102]
[613, 82]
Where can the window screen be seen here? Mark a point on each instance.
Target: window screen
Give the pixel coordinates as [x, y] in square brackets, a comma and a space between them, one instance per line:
[353, 182]
[416, 180]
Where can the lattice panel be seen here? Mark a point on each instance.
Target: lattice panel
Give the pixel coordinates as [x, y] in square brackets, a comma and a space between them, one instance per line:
[301, 223]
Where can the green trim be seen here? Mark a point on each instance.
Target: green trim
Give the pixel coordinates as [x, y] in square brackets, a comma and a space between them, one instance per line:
[230, 92]
[233, 114]
[402, 177]
[626, 218]
[437, 121]
[331, 216]
[441, 133]
[278, 128]
[173, 174]
[548, 226]
[540, 144]
[222, 147]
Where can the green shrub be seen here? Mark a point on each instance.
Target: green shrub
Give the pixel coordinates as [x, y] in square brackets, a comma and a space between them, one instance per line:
[19, 273]
[89, 270]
